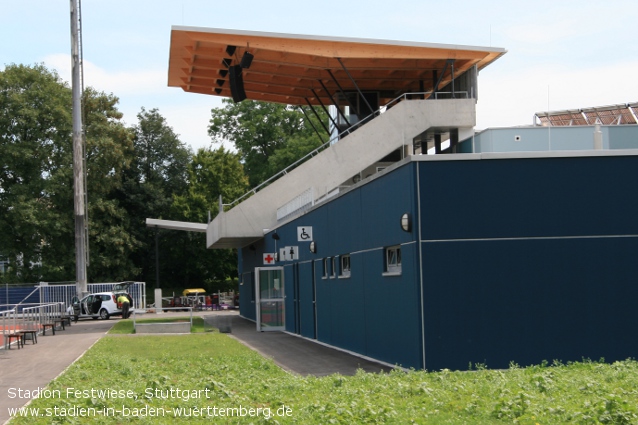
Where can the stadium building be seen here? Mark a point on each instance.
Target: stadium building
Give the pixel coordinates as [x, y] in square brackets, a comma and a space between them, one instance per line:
[409, 238]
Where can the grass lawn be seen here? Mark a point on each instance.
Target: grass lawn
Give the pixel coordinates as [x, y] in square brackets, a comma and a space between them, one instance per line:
[204, 373]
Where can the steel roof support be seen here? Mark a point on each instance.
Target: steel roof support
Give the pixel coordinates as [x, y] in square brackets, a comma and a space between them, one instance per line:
[335, 103]
[311, 123]
[317, 115]
[345, 96]
[357, 87]
[436, 86]
[325, 109]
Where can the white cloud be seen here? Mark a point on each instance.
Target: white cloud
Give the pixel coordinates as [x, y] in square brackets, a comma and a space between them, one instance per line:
[129, 82]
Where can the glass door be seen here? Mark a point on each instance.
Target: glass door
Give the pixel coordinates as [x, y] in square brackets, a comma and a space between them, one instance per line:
[270, 298]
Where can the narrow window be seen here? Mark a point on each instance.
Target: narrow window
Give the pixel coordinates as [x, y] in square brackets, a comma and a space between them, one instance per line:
[393, 260]
[325, 268]
[344, 270]
[333, 269]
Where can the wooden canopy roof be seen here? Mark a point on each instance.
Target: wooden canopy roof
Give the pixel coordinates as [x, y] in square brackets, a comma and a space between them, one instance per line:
[296, 69]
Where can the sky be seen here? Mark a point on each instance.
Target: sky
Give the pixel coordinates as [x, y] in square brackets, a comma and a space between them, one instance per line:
[561, 54]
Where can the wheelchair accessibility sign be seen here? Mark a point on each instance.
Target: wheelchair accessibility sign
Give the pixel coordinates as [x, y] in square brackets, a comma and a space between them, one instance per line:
[304, 234]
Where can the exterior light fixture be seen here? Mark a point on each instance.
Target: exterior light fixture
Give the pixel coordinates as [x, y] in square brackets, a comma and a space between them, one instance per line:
[406, 222]
[275, 236]
[313, 247]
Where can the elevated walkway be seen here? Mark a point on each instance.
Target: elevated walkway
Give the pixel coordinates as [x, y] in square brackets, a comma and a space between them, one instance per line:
[394, 129]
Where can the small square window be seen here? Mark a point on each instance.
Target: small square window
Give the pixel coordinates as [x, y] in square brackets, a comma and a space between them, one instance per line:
[344, 270]
[393, 260]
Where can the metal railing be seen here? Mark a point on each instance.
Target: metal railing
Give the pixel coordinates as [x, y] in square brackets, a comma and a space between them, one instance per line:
[9, 323]
[34, 317]
[406, 96]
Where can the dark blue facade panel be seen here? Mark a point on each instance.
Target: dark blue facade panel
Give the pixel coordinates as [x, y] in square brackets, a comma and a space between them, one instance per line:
[367, 312]
[247, 306]
[383, 202]
[290, 298]
[348, 311]
[323, 307]
[529, 300]
[306, 300]
[529, 197]
[392, 329]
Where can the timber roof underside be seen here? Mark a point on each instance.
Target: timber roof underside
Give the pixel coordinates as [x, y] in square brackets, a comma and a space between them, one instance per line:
[299, 69]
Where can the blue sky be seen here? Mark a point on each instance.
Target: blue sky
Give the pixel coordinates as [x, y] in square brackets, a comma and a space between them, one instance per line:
[561, 54]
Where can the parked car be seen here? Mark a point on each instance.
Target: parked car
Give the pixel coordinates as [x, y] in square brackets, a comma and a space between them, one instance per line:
[101, 305]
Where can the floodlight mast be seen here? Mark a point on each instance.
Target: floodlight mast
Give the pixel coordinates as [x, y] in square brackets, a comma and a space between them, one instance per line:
[78, 157]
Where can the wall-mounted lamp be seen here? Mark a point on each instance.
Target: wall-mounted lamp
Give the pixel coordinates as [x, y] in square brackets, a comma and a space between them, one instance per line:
[406, 222]
[313, 247]
[275, 236]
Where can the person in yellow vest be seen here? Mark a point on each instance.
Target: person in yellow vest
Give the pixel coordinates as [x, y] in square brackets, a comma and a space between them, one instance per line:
[125, 303]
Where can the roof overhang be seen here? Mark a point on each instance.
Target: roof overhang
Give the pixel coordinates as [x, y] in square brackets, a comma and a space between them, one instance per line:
[297, 69]
[177, 225]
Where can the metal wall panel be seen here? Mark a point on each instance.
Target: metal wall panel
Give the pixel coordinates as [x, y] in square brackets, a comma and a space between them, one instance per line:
[528, 260]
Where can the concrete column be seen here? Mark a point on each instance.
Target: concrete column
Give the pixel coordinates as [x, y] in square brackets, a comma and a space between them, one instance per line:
[158, 301]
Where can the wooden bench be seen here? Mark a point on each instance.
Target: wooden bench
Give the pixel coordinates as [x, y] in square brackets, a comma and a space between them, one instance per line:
[48, 325]
[60, 321]
[17, 335]
[33, 336]
[66, 319]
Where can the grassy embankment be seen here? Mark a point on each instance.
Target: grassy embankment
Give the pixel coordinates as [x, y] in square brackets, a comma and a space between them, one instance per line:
[225, 374]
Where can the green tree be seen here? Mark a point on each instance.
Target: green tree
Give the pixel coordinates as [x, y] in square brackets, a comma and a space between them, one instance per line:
[36, 179]
[158, 171]
[259, 131]
[212, 173]
[108, 154]
[35, 122]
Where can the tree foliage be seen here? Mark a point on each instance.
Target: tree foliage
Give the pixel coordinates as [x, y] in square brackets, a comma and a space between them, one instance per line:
[134, 173]
[212, 173]
[268, 136]
[35, 124]
[158, 171]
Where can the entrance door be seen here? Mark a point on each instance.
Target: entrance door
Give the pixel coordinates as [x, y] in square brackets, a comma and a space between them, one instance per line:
[270, 298]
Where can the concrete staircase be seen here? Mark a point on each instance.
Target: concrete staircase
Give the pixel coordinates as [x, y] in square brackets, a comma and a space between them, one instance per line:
[393, 129]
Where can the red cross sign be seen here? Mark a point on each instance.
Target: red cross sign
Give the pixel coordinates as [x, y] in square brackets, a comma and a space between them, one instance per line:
[269, 258]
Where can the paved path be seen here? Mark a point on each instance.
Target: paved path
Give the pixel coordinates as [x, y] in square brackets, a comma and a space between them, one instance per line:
[34, 366]
[296, 354]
